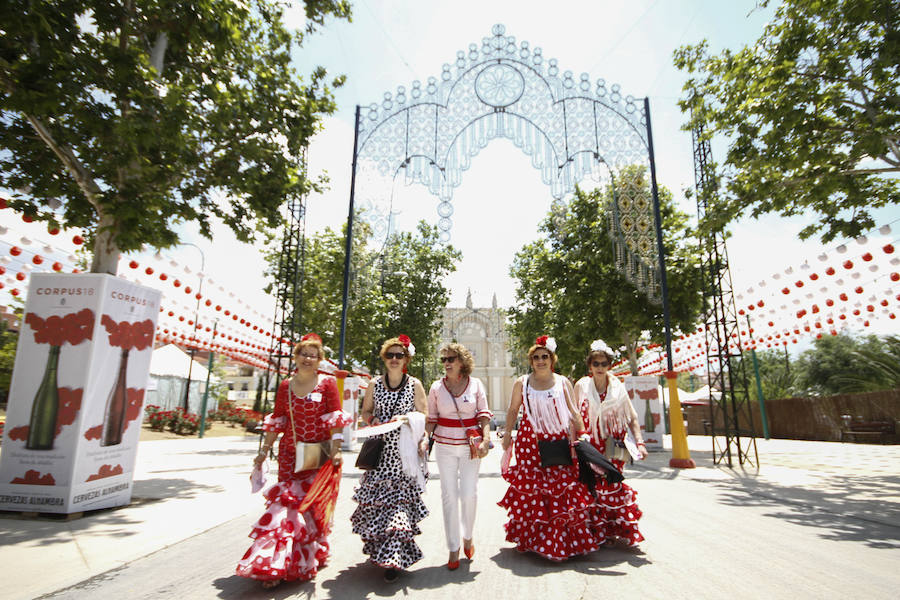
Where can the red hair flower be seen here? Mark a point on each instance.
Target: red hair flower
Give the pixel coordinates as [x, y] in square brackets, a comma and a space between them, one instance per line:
[311, 337]
[407, 343]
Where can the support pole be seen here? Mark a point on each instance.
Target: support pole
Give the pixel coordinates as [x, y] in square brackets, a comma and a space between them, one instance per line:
[681, 457]
[348, 246]
[759, 392]
[209, 368]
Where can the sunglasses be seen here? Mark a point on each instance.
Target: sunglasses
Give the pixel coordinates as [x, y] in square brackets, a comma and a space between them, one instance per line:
[397, 355]
[448, 359]
[598, 363]
[540, 357]
[309, 356]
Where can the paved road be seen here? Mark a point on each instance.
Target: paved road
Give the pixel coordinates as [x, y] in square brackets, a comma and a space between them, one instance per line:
[799, 528]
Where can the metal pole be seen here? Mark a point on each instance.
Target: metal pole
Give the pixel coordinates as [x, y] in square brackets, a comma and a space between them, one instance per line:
[209, 368]
[348, 246]
[681, 456]
[759, 391]
[187, 389]
[787, 364]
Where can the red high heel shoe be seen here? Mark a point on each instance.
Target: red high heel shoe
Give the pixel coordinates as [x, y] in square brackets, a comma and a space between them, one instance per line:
[452, 565]
[470, 551]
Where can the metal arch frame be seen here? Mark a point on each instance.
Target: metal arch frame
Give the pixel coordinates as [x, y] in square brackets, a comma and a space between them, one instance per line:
[390, 140]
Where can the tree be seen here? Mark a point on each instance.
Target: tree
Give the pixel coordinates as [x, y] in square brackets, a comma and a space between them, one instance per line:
[811, 112]
[844, 364]
[129, 118]
[776, 376]
[394, 289]
[568, 285]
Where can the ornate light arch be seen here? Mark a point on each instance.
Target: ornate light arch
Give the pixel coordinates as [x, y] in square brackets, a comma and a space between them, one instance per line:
[570, 127]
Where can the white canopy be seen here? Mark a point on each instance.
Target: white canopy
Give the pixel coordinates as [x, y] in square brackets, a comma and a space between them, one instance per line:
[172, 361]
[699, 396]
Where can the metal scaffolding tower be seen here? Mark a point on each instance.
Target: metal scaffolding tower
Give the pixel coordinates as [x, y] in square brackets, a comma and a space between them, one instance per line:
[730, 419]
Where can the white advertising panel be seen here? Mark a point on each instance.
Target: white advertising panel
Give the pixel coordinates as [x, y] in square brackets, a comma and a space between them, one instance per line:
[76, 398]
[644, 393]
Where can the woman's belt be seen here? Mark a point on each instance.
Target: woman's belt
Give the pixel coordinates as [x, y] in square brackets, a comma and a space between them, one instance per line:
[455, 422]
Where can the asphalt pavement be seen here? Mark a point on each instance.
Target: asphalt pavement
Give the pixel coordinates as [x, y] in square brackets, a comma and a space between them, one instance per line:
[816, 520]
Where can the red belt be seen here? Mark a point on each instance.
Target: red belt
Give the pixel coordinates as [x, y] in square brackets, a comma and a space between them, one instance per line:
[455, 422]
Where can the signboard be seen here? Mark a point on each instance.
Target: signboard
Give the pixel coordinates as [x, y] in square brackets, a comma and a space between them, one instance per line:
[77, 393]
[644, 393]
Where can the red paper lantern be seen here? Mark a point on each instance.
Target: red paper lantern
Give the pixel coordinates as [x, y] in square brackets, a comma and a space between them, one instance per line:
[208, 302]
[171, 313]
[149, 270]
[37, 259]
[20, 276]
[14, 292]
[800, 314]
[815, 308]
[814, 276]
[3, 203]
[187, 289]
[741, 312]
[858, 289]
[867, 256]
[855, 312]
[818, 336]
[866, 323]
[895, 276]
[27, 218]
[843, 297]
[785, 291]
[798, 283]
[218, 307]
[870, 308]
[829, 271]
[760, 304]
[884, 302]
[163, 276]
[133, 264]
[198, 295]
[227, 312]
[892, 315]
[848, 264]
[176, 283]
[829, 302]
[77, 240]
[842, 317]
[15, 251]
[888, 249]
[53, 230]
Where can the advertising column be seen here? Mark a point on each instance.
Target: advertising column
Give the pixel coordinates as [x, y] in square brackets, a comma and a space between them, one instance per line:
[76, 398]
[644, 393]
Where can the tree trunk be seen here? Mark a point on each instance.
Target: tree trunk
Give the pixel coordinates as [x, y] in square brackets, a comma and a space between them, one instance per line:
[106, 252]
[631, 348]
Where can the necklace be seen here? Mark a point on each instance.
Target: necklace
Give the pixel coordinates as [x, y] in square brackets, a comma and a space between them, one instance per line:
[455, 385]
[387, 383]
[600, 393]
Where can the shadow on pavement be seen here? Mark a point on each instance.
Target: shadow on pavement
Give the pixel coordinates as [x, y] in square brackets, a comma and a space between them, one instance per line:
[601, 562]
[45, 531]
[241, 587]
[849, 509]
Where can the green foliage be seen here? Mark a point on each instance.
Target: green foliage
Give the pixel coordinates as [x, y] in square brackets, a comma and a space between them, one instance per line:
[128, 119]
[844, 364]
[776, 375]
[811, 113]
[8, 341]
[568, 285]
[394, 289]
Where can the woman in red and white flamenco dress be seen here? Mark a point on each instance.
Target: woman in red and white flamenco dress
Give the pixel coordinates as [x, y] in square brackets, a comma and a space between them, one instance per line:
[290, 544]
[549, 508]
[610, 417]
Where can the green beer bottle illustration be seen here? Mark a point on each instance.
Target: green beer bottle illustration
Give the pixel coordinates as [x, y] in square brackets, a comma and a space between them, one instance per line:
[649, 427]
[45, 408]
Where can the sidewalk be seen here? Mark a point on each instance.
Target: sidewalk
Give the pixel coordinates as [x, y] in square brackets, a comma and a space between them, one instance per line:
[185, 487]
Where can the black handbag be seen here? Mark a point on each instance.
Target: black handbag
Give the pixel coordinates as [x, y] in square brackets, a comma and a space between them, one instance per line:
[370, 453]
[554, 452]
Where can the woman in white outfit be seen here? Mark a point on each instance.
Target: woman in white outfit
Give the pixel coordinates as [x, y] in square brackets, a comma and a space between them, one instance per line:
[458, 423]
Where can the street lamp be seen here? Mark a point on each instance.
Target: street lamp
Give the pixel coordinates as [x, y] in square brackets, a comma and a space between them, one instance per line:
[193, 349]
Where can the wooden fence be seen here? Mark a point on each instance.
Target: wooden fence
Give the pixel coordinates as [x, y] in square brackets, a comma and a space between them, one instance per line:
[812, 418]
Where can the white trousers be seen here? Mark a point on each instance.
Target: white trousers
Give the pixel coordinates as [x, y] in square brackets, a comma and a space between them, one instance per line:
[459, 491]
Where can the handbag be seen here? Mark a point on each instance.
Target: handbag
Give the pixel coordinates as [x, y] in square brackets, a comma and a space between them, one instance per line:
[370, 453]
[553, 452]
[308, 456]
[473, 434]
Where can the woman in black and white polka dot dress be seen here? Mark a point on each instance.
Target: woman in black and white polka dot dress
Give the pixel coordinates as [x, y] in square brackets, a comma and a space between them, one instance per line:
[390, 500]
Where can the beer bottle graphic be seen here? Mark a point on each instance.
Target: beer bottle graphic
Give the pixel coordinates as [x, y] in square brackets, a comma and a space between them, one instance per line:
[116, 404]
[45, 408]
[649, 427]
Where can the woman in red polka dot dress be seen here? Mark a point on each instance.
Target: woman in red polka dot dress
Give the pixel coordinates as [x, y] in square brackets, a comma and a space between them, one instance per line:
[549, 508]
[610, 417]
[289, 545]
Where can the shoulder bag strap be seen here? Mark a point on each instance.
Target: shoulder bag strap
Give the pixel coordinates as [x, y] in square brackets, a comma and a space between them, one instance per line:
[458, 414]
[291, 411]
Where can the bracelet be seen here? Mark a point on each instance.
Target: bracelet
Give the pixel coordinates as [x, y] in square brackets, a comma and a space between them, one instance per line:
[337, 436]
[370, 419]
[641, 444]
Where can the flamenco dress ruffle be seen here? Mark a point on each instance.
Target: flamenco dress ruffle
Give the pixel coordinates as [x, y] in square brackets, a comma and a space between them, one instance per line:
[617, 511]
[549, 509]
[288, 544]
